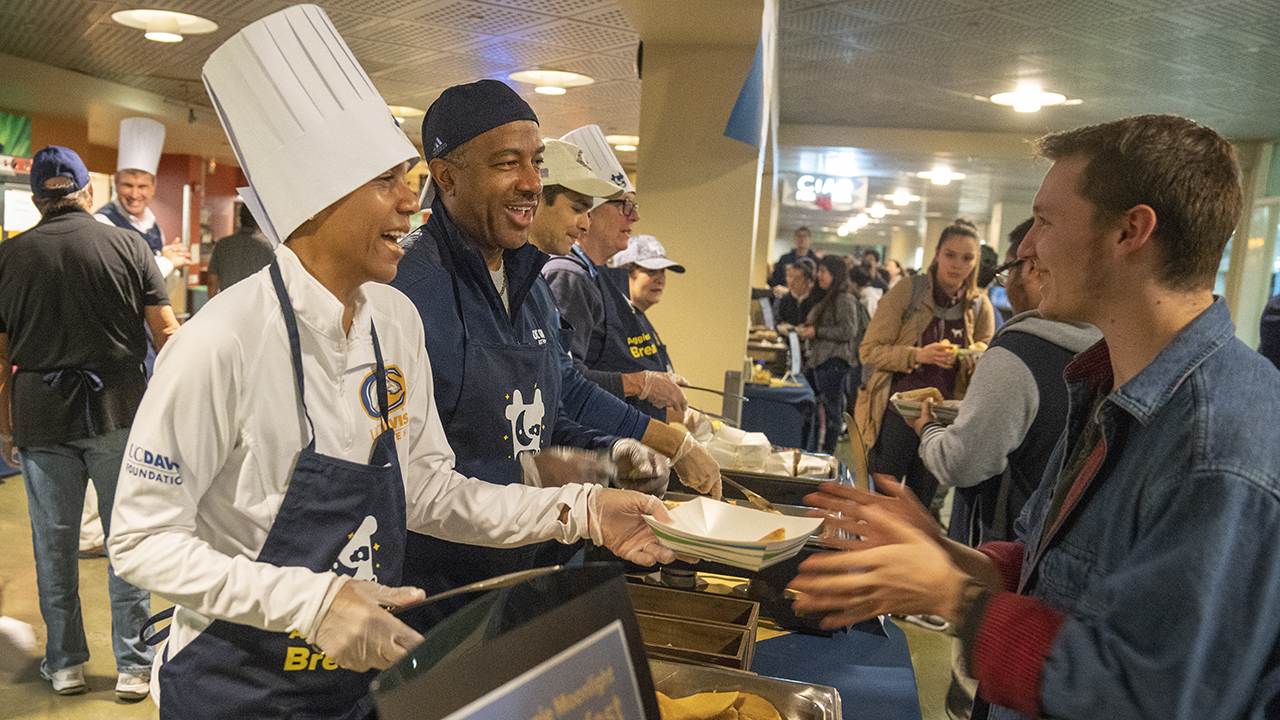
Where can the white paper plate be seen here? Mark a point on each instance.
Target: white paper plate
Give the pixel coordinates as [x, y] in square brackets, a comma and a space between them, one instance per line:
[711, 530]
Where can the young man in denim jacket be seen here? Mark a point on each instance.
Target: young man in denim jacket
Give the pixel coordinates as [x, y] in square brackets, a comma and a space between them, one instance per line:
[1146, 578]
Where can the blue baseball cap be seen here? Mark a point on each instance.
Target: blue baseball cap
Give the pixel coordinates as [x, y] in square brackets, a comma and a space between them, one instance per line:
[56, 161]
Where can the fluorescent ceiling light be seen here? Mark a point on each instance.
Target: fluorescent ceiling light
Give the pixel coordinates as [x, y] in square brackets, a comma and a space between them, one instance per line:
[623, 143]
[941, 175]
[1030, 98]
[404, 111]
[550, 82]
[163, 25]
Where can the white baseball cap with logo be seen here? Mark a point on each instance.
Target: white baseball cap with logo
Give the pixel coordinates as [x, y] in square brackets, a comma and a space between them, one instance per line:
[304, 120]
[598, 154]
[141, 142]
[648, 253]
[563, 165]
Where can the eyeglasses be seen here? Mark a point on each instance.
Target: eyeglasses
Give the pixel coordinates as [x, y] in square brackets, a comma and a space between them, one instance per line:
[628, 207]
[1002, 272]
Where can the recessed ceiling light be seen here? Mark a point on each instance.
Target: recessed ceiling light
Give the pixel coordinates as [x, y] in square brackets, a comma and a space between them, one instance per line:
[902, 197]
[163, 25]
[941, 175]
[1030, 98]
[400, 112]
[623, 143]
[550, 82]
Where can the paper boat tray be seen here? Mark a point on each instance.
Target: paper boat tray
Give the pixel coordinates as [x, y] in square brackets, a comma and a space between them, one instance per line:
[729, 534]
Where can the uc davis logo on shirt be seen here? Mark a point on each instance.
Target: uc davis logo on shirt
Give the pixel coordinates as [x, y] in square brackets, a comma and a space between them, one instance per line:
[526, 422]
[153, 466]
[395, 391]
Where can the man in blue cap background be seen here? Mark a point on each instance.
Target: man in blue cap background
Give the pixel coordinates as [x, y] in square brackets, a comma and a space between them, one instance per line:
[74, 294]
[505, 386]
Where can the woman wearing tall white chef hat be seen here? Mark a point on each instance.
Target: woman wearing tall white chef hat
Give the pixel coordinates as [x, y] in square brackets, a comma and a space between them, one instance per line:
[288, 437]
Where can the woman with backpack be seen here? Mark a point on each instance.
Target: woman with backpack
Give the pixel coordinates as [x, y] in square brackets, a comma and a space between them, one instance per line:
[832, 331]
[904, 344]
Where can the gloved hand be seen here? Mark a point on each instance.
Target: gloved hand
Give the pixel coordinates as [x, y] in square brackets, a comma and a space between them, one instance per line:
[560, 465]
[663, 389]
[640, 468]
[615, 520]
[699, 425]
[697, 468]
[358, 633]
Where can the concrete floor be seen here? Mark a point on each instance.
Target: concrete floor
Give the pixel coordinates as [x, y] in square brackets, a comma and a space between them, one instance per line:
[31, 696]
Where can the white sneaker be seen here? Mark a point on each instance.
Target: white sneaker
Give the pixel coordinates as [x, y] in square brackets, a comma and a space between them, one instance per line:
[133, 685]
[68, 681]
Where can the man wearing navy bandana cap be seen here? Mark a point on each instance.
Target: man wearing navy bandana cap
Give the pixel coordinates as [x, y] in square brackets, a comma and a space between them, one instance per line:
[74, 294]
[505, 386]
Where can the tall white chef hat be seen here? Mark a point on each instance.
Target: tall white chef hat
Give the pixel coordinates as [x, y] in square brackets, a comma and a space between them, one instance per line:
[598, 154]
[304, 120]
[141, 142]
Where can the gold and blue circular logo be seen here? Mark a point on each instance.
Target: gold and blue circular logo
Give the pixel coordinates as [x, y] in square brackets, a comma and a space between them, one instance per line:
[395, 392]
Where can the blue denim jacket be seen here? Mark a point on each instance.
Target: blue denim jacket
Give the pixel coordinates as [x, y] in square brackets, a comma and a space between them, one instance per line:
[1168, 569]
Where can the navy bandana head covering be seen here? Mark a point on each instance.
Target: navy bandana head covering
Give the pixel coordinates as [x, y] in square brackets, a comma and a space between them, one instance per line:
[464, 111]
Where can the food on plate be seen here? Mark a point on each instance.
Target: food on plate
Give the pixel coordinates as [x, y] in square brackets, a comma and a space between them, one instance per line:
[921, 394]
[717, 706]
[761, 376]
[978, 346]
[775, 536]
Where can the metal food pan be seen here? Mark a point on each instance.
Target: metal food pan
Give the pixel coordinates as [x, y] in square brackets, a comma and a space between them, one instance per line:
[794, 700]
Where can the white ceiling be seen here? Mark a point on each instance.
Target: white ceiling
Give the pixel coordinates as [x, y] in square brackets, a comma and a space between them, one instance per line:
[914, 64]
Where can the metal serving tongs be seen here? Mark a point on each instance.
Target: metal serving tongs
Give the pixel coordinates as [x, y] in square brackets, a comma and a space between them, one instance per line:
[492, 583]
[753, 497]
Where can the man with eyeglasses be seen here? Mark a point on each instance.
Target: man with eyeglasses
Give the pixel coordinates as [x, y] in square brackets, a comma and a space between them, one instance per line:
[609, 342]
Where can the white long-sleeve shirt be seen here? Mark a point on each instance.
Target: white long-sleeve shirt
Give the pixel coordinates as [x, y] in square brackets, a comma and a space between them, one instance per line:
[215, 440]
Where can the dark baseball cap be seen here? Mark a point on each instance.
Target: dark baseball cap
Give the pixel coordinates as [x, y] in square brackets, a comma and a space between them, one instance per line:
[56, 161]
[464, 111]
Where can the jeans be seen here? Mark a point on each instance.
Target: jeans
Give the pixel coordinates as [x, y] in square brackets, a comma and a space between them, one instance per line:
[828, 383]
[56, 477]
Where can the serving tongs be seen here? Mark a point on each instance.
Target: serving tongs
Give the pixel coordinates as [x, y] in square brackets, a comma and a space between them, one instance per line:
[492, 583]
[753, 497]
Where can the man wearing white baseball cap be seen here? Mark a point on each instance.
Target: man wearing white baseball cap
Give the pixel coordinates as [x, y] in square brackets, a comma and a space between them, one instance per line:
[275, 518]
[594, 299]
[570, 190]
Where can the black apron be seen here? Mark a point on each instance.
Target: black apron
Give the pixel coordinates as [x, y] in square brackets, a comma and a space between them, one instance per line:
[630, 342]
[508, 404]
[337, 516]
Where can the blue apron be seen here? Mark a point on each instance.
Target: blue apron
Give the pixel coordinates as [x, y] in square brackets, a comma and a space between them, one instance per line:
[508, 404]
[152, 236]
[630, 343]
[337, 516]
[156, 242]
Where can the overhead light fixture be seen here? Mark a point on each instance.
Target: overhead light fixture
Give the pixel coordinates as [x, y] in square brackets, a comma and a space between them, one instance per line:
[164, 25]
[1030, 98]
[877, 210]
[941, 175]
[902, 197]
[623, 143]
[550, 82]
[404, 112]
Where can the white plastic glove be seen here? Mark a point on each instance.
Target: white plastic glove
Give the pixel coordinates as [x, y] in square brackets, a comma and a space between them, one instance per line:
[615, 520]
[640, 468]
[663, 389]
[697, 468]
[699, 425]
[560, 465]
[358, 633]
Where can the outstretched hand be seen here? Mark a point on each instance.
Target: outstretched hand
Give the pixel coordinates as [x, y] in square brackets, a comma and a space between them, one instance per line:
[615, 520]
[898, 568]
[852, 505]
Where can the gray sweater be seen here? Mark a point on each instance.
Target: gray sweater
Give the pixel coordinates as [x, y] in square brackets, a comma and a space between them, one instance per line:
[999, 407]
[837, 333]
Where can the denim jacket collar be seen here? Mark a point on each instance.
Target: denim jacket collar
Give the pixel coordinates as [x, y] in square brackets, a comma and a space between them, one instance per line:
[1148, 391]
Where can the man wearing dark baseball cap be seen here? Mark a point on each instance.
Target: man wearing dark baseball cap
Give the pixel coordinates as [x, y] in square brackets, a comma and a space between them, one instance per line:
[505, 387]
[74, 294]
